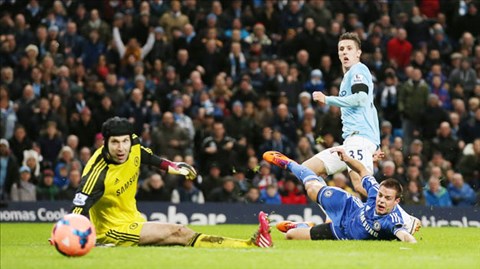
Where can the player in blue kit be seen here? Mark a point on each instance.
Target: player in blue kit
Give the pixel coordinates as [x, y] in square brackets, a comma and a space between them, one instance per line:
[379, 218]
[361, 132]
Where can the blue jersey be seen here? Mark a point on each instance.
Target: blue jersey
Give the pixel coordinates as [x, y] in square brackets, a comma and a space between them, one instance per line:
[359, 115]
[364, 223]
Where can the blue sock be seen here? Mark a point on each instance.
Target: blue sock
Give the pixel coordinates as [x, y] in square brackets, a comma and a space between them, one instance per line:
[303, 173]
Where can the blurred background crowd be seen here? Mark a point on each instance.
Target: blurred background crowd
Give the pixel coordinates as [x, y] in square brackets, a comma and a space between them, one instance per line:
[217, 83]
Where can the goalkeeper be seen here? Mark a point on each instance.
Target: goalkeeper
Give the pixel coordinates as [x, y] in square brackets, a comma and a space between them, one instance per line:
[107, 194]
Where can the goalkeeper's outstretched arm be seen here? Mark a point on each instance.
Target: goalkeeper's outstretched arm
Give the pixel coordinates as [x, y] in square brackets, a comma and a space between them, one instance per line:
[175, 168]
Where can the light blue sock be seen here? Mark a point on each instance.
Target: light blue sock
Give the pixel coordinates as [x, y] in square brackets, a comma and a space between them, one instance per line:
[303, 173]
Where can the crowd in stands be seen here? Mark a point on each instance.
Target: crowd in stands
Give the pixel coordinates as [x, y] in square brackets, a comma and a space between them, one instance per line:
[217, 83]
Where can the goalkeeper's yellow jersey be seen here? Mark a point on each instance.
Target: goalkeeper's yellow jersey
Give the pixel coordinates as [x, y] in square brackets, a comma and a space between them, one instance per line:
[107, 190]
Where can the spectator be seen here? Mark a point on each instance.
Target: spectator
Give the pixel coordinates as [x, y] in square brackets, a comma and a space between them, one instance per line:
[137, 110]
[440, 42]
[46, 190]
[387, 97]
[264, 177]
[285, 123]
[292, 16]
[315, 83]
[226, 193]
[414, 174]
[9, 116]
[153, 189]
[168, 138]
[464, 76]
[183, 65]
[414, 194]
[85, 128]
[186, 192]
[183, 120]
[304, 149]
[174, 18]
[74, 178]
[432, 117]
[19, 142]
[339, 180]
[252, 196]
[219, 148]
[291, 194]
[469, 164]
[460, 192]
[412, 100]
[417, 27]
[270, 195]
[212, 180]
[470, 128]
[388, 171]
[60, 178]
[446, 144]
[41, 120]
[23, 190]
[439, 89]
[8, 169]
[311, 40]
[50, 142]
[236, 124]
[237, 63]
[435, 194]
[245, 92]
[399, 50]
[92, 49]
[133, 48]
[242, 183]
[97, 25]
[32, 159]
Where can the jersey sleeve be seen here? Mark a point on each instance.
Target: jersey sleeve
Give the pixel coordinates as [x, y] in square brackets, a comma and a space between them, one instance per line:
[360, 76]
[370, 184]
[91, 187]
[395, 222]
[148, 158]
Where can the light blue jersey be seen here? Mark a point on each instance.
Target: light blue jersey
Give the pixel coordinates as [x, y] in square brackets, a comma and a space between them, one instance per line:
[354, 220]
[359, 115]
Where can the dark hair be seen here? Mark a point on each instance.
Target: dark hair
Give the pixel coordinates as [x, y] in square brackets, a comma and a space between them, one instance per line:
[391, 183]
[352, 36]
[116, 126]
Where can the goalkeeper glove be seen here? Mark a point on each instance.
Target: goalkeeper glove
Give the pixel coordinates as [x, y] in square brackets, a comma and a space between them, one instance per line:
[181, 168]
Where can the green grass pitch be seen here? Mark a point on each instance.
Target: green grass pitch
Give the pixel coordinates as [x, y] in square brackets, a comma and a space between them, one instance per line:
[26, 246]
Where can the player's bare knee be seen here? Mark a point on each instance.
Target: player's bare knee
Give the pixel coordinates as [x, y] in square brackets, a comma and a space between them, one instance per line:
[312, 188]
[182, 231]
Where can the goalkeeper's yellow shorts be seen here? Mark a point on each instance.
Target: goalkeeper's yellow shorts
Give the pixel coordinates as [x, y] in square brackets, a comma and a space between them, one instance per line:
[122, 235]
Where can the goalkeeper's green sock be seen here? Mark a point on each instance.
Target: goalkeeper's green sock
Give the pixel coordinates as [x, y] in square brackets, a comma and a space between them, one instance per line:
[213, 241]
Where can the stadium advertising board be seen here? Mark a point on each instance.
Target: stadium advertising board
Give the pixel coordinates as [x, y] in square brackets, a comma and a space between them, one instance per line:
[213, 214]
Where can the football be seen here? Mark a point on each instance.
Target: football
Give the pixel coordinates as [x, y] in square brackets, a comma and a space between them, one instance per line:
[73, 235]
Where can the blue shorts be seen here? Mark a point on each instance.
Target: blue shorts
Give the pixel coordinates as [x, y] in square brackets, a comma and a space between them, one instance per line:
[339, 206]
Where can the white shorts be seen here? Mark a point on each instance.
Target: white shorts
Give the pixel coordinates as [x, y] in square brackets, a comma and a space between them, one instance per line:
[359, 148]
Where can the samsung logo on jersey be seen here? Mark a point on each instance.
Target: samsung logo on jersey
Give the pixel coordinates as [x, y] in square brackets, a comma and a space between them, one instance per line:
[366, 225]
[127, 184]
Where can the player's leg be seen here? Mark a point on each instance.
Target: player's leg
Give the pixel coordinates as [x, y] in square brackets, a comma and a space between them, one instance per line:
[310, 180]
[317, 232]
[157, 233]
[335, 203]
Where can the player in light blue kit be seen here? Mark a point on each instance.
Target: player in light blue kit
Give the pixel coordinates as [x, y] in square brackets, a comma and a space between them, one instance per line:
[361, 132]
[379, 218]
